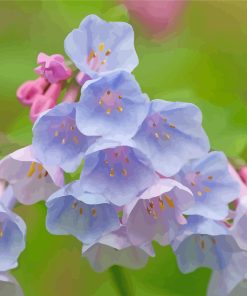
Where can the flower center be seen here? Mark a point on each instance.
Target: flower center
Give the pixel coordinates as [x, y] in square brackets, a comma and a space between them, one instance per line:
[97, 59]
[75, 205]
[159, 127]
[157, 205]
[117, 159]
[67, 132]
[37, 166]
[111, 101]
[196, 180]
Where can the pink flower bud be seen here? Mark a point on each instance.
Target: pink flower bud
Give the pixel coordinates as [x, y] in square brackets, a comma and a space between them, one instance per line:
[243, 174]
[29, 89]
[52, 67]
[44, 102]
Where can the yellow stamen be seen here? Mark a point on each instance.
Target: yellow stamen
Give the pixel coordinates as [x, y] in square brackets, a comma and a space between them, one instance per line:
[157, 135]
[93, 211]
[101, 102]
[91, 56]
[81, 211]
[193, 183]
[63, 141]
[72, 128]
[31, 169]
[161, 204]
[169, 201]
[108, 52]
[101, 46]
[108, 111]
[210, 177]
[112, 173]
[75, 140]
[40, 167]
[56, 133]
[172, 126]
[199, 193]
[124, 172]
[103, 62]
[1, 233]
[120, 108]
[120, 97]
[207, 189]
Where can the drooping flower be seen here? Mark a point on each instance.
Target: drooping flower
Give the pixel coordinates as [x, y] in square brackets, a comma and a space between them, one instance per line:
[57, 140]
[231, 280]
[29, 179]
[116, 249]
[117, 170]
[203, 243]
[12, 238]
[9, 286]
[52, 67]
[171, 135]
[85, 215]
[98, 47]
[43, 102]
[156, 212]
[211, 183]
[112, 106]
[29, 89]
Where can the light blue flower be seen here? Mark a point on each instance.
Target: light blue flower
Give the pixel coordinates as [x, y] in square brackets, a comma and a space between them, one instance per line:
[117, 170]
[154, 215]
[171, 135]
[12, 238]
[98, 47]
[203, 243]
[116, 249]
[212, 185]
[112, 106]
[56, 139]
[85, 215]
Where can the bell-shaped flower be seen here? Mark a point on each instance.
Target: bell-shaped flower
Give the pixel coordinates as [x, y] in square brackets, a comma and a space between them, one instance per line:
[57, 140]
[112, 106]
[117, 170]
[116, 249]
[171, 135]
[29, 179]
[212, 185]
[9, 286]
[53, 67]
[155, 213]
[203, 243]
[12, 238]
[98, 47]
[85, 215]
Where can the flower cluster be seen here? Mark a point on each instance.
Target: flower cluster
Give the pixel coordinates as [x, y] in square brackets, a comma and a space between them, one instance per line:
[146, 170]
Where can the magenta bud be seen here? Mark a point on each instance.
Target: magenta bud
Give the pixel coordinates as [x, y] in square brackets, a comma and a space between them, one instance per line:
[72, 93]
[243, 174]
[29, 89]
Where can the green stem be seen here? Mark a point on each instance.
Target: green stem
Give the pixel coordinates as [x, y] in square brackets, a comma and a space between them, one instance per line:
[121, 281]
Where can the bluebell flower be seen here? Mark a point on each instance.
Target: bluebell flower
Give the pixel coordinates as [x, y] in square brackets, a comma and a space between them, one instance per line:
[56, 139]
[12, 238]
[85, 215]
[117, 170]
[203, 243]
[112, 106]
[98, 47]
[212, 185]
[9, 286]
[171, 135]
[116, 249]
[156, 212]
[28, 178]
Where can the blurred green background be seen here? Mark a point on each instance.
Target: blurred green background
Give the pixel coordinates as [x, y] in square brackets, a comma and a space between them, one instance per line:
[204, 61]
